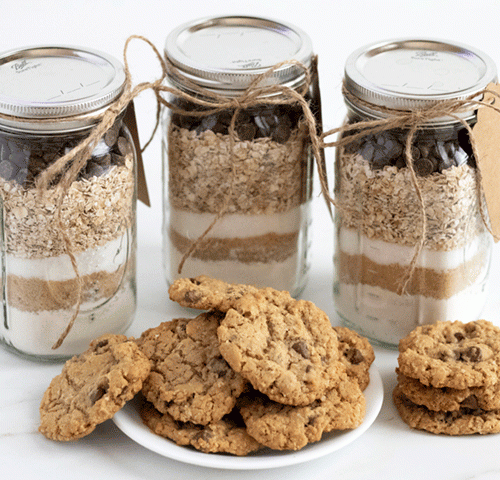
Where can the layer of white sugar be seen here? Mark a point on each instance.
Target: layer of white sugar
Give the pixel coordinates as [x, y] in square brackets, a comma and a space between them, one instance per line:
[387, 317]
[351, 242]
[107, 258]
[284, 275]
[236, 225]
[34, 333]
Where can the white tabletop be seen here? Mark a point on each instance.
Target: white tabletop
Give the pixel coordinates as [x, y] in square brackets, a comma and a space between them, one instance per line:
[389, 449]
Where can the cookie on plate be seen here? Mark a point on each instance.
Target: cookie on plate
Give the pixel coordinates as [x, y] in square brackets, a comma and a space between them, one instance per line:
[450, 399]
[228, 435]
[452, 354]
[92, 387]
[189, 379]
[286, 348]
[356, 353]
[206, 293]
[465, 421]
[285, 427]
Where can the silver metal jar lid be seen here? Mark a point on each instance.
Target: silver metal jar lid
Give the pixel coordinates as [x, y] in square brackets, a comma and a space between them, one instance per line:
[225, 54]
[56, 88]
[408, 74]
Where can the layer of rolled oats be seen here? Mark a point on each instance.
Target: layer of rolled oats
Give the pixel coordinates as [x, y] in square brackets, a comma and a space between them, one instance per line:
[94, 211]
[383, 204]
[256, 177]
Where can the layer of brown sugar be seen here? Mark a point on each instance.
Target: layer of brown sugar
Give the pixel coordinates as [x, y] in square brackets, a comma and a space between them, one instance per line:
[270, 247]
[34, 294]
[444, 284]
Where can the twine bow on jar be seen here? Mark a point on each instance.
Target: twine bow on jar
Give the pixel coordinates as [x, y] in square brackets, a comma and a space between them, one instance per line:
[412, 121]
[256, 94]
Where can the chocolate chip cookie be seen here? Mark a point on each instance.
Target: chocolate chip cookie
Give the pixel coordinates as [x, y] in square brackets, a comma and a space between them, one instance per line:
[286, 348]
[285, 427]
[356, 353]
[450, 399]
[206, 293]
[227, 435]
[92, 387]
[189, 379]
[465, 421]
[452, 354]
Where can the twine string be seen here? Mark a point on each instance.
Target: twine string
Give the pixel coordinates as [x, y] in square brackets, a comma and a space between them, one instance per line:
[254, 95]
[64, 171]
[413, 120]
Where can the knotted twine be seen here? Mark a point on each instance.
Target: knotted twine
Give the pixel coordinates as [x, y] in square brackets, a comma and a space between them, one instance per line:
[413, 120]
[254, 95]
[66, 168]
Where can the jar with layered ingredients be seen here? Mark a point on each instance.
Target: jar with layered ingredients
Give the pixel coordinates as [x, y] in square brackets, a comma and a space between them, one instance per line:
[407, 254]
[64, 250]
[237, 202]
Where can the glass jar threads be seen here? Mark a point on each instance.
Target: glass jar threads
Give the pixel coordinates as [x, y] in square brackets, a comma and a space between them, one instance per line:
[67, 249]
[236, 197]
[411, 245]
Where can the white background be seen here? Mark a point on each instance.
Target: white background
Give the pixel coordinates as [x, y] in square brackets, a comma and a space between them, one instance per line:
[389, 449]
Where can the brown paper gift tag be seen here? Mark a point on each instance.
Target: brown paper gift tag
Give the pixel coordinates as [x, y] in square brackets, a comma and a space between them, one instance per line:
[131, 122]
[487, 140]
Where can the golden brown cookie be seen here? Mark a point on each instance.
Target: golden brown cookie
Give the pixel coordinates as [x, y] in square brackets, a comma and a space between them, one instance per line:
[465, 421]
[450, 399]
[452, 354]
[285, 427]
[92, 387]
[189, 379]
[206, 293]
[286, 348]
[228, 435]
[356, 353]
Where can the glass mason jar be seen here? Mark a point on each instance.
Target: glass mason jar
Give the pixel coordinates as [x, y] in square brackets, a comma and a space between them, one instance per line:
[237, 207]
[64, 250]
[379, 223]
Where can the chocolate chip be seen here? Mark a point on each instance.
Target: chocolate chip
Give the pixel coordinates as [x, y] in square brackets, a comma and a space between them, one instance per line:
[219, 366]
[111, 136]
[424, 167]
[311, 421]
[98, 393]
[246, 132]
[415, 152]
[470, 402]
[459, 336]
[205, 435]
[471, 354]
[354, 356]
[301, 348]
[381, 150]
[281, 133]
[123, 146]
[191, 296]
[101, 344]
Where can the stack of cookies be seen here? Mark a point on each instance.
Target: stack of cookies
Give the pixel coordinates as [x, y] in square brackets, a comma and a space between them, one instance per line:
[256, 369]
[448, 378]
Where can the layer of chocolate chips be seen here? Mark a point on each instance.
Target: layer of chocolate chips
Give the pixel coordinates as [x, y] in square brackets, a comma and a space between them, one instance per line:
[431, 152]
[275, 121]
[24, 157]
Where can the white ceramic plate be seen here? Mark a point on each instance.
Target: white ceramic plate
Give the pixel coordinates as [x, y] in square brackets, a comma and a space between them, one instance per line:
[129, 421]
